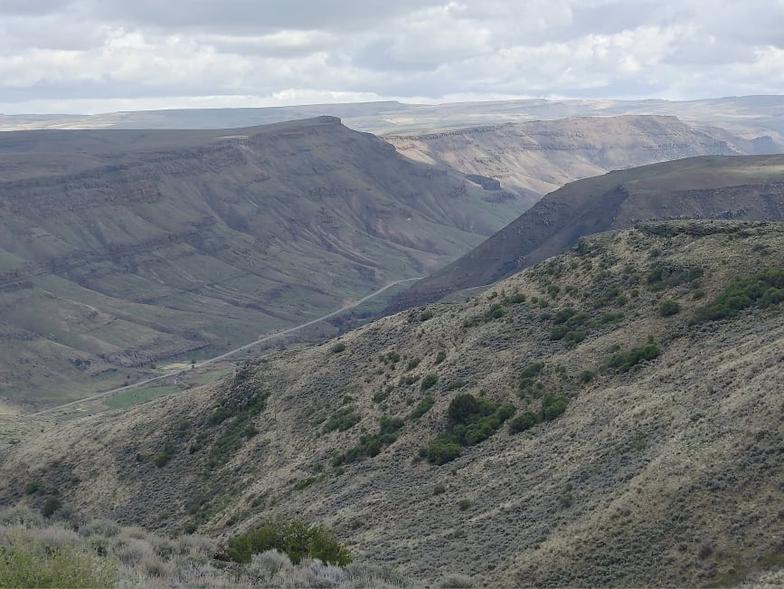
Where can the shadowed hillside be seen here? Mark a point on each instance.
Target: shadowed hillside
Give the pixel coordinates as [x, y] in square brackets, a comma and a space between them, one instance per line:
[609, 417]
[120, 249]
[749, 188]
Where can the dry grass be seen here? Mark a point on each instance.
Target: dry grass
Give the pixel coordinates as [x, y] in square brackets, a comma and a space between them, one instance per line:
[37, 553]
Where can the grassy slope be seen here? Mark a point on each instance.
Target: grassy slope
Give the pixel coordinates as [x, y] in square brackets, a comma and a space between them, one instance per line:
[182, 244]
[662, 475]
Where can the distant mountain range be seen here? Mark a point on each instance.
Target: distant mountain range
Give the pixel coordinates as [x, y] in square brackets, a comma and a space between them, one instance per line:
[748, 116]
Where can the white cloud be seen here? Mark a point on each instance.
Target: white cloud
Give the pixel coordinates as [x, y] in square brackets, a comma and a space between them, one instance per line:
[90, 55]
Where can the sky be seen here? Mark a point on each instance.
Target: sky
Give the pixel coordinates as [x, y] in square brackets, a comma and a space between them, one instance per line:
[87, 56]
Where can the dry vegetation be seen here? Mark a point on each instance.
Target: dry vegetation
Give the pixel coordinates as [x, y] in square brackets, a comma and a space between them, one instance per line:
[68, 552]
[645, 446]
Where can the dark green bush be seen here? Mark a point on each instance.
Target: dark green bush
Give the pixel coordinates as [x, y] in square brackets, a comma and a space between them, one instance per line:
[553, 406]
[440, 451]
[517, 298]
[371, 445]
[440, 357]
[295, 538]
[343, 419]
[471, 421]
[33, 487]
[495, 312]
[413, 363]
[532, 370]
[51, 505]
[423, 407]
[338, 348]
[669, 308]
[429, 381]
[563, 315]
[625, 361]
[760, 290]
[392, 357]
[523, 422]
[425, 315]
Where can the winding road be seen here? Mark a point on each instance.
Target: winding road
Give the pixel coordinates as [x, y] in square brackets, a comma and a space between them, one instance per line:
[225, 355]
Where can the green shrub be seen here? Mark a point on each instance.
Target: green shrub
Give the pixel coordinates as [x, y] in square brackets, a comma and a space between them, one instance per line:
[23, 563]
[586, 376]
[558, 332]
[440, 357]
[563, 315]
[338, 348]
[669, 308]
[343, 419]
[426, 315]
[423, 407]
[295, 538]
[760, 290]
[625, 361]
[440, 451]
[471, 421]
[371, 445]
[464, 504]
[413, 363]
[51, 505]
[379, 397]
[532, 370]
[33, 487]
[667, 275]
[495, 312]
[517, 298]
[392, 357]
[575, 337]
[439, 489]
[429, 381]
[523, 422]
[553, 406]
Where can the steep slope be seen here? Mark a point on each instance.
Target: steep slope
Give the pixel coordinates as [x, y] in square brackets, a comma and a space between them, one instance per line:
[165, 244]
[653, 458]
[695, 188]
[537, 157]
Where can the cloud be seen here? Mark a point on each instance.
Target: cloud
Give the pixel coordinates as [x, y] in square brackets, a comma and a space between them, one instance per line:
[96, 54]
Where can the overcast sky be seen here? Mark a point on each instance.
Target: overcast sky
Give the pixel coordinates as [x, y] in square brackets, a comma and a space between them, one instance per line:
[104, 55]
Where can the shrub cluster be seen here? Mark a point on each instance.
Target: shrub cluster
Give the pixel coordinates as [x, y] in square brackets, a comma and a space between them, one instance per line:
[371, 445]
[552, 407]
[343, 419]
[669, 308]
[760, 290]
[423, 407]
[625, 361]
[471, 420]
[295, 538]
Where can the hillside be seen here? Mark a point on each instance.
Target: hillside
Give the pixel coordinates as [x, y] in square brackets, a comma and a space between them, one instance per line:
[644, 364]
[750, 188]
[536, 157]
[120, 250]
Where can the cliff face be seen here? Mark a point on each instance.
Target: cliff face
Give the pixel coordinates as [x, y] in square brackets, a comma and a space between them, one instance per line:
[750, 187]
[536, 157]
[160, 244]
